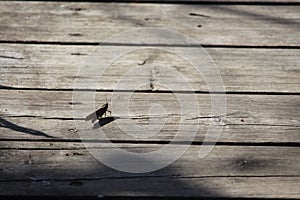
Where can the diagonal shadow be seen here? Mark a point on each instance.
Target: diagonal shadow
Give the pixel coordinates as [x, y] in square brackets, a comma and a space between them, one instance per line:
[103, 121]
[292, 23]
[288, 22]
[90, 174]
[7, 124]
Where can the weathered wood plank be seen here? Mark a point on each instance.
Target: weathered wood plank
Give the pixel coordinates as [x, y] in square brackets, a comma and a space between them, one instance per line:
[249, 118]
[56, 67]
[226, 187]
[288, 2]
[207, 24]
[213, 1]
[226, 171]
[32, 163]
[76, 163]
[66, 130]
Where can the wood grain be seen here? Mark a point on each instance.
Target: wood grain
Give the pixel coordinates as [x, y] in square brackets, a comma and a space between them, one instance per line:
[288, 2]
[249, 118]
[46, 144]
[207, 24]
[226, 171]
[226, 187]
[56, 67]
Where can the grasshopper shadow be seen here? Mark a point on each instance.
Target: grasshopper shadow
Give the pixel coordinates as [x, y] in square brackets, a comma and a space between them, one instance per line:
[103, 121]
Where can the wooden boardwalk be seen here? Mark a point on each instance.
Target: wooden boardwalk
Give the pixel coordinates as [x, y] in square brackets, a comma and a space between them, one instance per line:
[254, 44]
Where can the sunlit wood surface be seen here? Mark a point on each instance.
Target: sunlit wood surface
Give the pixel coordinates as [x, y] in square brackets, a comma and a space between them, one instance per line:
[254, 44]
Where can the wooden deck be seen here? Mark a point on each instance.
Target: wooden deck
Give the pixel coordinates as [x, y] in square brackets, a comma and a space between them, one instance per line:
[254, 44]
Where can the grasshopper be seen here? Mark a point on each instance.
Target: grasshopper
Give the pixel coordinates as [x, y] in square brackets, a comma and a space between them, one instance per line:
[98, 113]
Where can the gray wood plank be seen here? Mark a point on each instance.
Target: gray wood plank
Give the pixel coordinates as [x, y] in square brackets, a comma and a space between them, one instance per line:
[207, 24]
[215, 1]
[62, 129]
[56, 67]
[226, 187]
[226, 171]
[249, 118]
[54, 163]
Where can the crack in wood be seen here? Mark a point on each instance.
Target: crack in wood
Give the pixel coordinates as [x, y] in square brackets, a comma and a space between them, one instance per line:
[75, 34]
[77, 8]
[205, 45]
[169, 176]
[78, 54]
[30, 178]
[12, 57]
[199, 15]
[138, 142]
[152, 80]
[5, 87]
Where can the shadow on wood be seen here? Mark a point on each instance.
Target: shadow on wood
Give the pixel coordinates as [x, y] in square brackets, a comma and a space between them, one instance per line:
[103, 121]
[7, 124]
[80, 175]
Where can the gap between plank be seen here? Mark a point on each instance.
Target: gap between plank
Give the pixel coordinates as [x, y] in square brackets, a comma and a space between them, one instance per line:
[169, 176]
[3, 87]
[147, 45]
[194, 143]
[83, 197]
[237, 2]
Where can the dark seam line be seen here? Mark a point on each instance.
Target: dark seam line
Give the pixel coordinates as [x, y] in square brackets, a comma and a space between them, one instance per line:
[196, 143]
[274, 3]
[150, 45]
[171, 176]
[150, 91]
